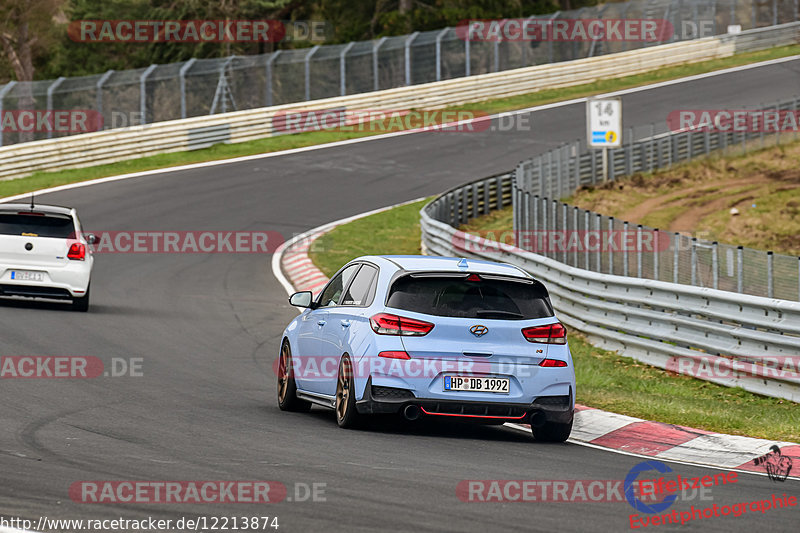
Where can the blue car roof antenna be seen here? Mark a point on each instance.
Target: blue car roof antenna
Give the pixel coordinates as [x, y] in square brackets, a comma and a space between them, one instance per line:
[462, 263]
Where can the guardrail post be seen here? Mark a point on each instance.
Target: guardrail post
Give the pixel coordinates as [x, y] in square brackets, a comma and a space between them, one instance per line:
[182, 83]
[268, 89]
[576, 151]
[375, 48]
[564, 233]
[439, 37]
[585, 236]
[610, 249]
[774, 12]
[676, 251]
[558, 173]
[550, 174]
[554, 210]
[535, 215]
[715, 264]
[407, 55]
[625, 248]
[656, 236]
[540, 159]
[222, 88]
[143, 92]
[473, 189]
[497, 56]
[98, 87]
[545, 221]
[464, 205]
[53, 86]
[740, 269]
[650, 162]
[3, 92]
[551, 18]
[343, 68]
[670, 148]
[639, 251]
[486, 198]
[307, 67]
[599, 219]
[577, 235]
[694, 261]
[629, 153]
[770, 280]
[467, 66]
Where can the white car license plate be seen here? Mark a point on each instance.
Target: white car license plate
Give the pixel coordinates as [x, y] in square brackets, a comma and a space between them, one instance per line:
[475, 384]
[27, 275]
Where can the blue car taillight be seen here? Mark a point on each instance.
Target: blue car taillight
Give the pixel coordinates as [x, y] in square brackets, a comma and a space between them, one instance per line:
[547, 334]
[386, 324]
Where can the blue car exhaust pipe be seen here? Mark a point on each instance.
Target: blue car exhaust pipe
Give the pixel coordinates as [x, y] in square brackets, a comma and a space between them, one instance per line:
[538, 419]
[411, 412]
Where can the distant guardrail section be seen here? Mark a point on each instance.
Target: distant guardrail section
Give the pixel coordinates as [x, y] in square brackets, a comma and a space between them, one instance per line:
[199, 132]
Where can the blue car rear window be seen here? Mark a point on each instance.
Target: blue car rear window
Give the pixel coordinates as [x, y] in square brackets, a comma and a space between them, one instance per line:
[457, 297]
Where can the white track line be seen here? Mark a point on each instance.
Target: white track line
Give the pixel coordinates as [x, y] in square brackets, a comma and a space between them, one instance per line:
[370, 138]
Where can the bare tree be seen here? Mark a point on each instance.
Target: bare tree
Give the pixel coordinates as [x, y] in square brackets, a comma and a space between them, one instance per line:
[26, 29]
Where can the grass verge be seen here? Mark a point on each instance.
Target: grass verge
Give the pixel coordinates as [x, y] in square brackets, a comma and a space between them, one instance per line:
[606, 380]
[41, 180]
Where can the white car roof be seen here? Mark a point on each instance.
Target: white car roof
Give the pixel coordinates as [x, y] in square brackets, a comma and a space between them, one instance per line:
[37, 208]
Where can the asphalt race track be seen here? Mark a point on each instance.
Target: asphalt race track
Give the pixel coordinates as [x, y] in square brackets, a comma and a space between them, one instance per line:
[207, 329]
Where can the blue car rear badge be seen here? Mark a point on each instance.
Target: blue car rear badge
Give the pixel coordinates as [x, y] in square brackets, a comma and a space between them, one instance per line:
[478, 330]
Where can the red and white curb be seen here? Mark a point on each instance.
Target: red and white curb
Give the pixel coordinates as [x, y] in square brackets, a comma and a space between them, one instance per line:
[592, 427]
[298, 267]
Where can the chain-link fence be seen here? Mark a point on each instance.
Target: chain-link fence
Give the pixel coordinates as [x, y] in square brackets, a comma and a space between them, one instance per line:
[600, 243]
[207, 86]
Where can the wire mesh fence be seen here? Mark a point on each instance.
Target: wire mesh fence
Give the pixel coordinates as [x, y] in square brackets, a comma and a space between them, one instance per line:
[600, 243]
[207, 86]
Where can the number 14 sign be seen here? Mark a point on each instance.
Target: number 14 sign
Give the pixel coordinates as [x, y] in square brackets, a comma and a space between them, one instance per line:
[604, 122]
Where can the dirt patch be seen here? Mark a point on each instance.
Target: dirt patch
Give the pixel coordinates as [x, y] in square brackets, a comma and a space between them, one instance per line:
[763, 186]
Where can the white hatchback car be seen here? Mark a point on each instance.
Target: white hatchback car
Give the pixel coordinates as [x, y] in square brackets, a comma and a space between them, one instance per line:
[44, 254]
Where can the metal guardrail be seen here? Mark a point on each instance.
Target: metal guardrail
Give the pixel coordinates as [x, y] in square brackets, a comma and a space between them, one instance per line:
[207, 86]
[726, 338]
[675, 257]
[178, 135]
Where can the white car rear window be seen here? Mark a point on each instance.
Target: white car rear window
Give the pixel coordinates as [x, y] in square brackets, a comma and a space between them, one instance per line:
[55, 226]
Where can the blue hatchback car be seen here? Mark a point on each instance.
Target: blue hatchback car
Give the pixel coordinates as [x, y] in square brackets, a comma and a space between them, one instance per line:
[430, 336]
